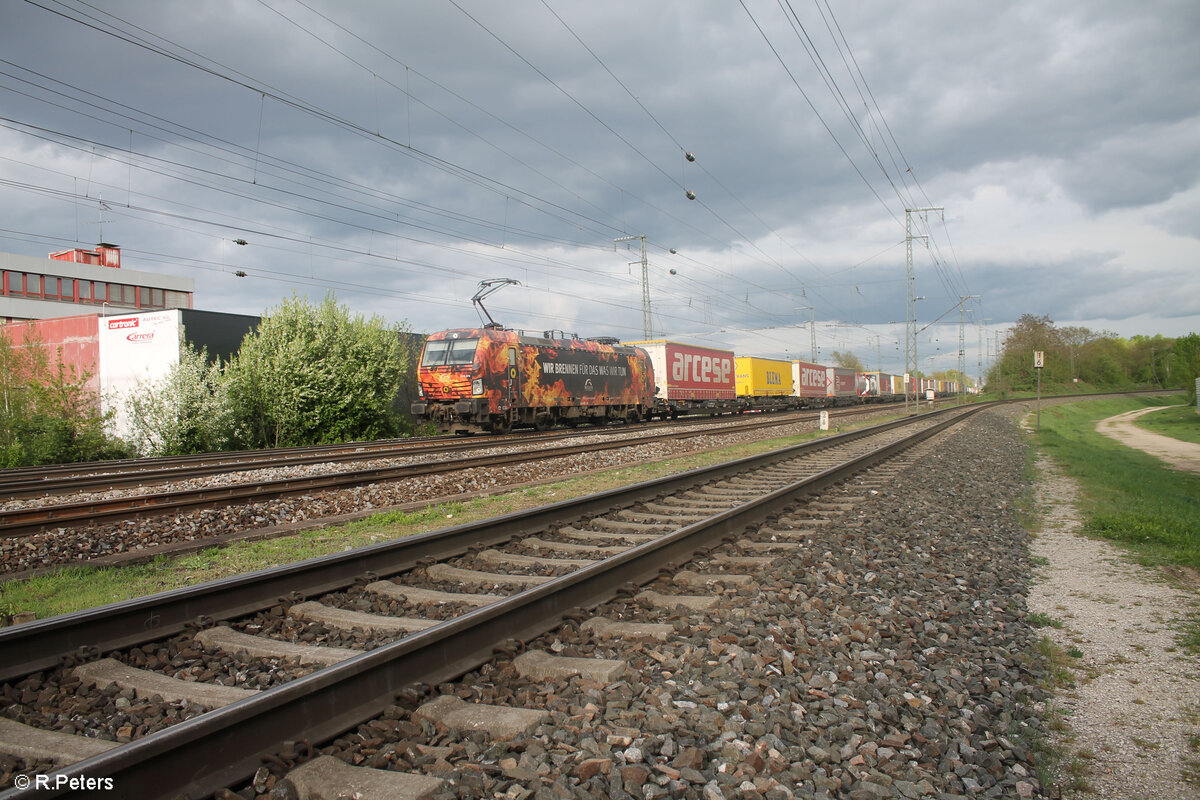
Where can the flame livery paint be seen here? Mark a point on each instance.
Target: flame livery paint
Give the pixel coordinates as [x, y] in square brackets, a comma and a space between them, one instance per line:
[491, 379]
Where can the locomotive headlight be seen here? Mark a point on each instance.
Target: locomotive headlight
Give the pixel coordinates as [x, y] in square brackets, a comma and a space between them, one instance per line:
[420, 390]
[477, 386]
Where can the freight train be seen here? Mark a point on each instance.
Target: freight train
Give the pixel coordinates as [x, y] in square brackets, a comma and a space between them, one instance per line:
[492, 379]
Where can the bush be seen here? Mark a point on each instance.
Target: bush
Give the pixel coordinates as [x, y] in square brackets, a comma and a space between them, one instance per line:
[187, 411]
[315, 374]
[47, 413]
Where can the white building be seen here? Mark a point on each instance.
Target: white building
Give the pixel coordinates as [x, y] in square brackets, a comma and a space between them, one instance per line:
[119, 327]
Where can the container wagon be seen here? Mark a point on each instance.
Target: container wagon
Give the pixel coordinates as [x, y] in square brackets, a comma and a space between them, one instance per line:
[690, 378]
[843, 386]
[476, 380]
[810, 382]
[872, 390]
[765, 384]
[763, 377]
[883, 387]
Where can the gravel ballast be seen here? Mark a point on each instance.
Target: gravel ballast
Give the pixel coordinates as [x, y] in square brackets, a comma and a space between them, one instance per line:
[889, 658]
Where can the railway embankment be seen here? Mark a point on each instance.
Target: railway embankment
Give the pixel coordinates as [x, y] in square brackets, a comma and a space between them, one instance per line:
[891, 658]
[887, 650]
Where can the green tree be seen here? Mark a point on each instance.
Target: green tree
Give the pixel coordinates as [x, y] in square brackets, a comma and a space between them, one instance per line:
[1185, 363]
[1080, 359]
[186, 411]
[1014, 370]
[316, 374]
[848, 360]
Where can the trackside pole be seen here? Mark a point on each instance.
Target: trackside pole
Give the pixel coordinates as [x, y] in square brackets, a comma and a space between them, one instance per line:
[1039, 360]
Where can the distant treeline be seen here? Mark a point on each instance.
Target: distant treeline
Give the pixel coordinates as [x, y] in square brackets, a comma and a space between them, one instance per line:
[1079, 359]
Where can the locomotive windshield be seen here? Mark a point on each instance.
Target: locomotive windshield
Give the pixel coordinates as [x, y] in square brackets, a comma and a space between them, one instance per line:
[449, 352]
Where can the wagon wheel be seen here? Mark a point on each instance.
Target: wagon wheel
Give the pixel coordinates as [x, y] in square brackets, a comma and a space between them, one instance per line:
[542, 421]
[500, 425]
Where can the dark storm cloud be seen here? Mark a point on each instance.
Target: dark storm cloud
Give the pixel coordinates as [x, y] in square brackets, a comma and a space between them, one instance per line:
[397, 153]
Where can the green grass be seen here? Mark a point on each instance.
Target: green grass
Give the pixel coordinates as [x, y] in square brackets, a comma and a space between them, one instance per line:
[1039, 620]
[74, 588]
[1178, 422]
[1058, 664]
[1129, 496]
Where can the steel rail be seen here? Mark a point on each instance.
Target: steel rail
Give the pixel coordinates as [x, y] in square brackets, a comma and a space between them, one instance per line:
[137, 474]
[18, 475]
[37, 645]
[193, 758]
[36, 519]
[27, 482]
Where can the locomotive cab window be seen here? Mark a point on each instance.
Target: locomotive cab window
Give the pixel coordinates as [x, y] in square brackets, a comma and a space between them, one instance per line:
[449, 352]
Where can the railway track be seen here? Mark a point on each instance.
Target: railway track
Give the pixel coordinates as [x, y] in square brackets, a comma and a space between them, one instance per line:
[46, 481]
[450, 598]
[431, 457]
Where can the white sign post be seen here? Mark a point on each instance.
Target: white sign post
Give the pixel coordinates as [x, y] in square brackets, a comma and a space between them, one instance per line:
[1039, 361]
[824, 420]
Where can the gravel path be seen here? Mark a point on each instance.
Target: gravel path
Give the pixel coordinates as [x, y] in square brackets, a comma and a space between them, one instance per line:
[1134, 716]
[1179, 454]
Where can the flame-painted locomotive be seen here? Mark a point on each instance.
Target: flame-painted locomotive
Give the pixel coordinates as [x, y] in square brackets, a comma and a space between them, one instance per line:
[490, 379]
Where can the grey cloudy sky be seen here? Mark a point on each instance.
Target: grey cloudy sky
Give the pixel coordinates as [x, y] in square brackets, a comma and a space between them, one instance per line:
[398, 153]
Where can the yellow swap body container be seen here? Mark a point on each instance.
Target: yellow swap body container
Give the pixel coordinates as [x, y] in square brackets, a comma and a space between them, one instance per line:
[763, 377]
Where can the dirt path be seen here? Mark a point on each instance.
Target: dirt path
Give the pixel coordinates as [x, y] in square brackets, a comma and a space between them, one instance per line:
[1133, 718]
[1179, 454]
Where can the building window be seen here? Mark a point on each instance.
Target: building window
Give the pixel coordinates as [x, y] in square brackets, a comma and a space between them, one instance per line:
[149, 298]
[176, 299]
[129, 295]
[84, 291]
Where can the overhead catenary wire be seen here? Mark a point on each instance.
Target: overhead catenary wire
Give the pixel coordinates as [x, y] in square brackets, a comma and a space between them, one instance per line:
[831, 83]
[761, 287]
[247, 82]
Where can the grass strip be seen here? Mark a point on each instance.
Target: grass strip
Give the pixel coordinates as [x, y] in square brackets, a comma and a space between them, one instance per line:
[1129, 496]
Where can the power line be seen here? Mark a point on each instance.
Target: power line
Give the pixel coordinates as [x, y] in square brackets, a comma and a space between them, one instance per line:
[266, 91]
